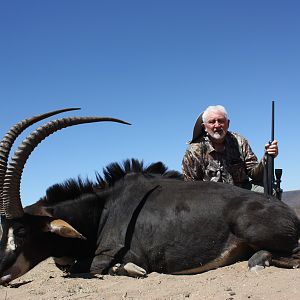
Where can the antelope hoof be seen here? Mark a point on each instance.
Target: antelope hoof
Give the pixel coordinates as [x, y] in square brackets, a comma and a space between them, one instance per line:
[129, 269]
[260, 260]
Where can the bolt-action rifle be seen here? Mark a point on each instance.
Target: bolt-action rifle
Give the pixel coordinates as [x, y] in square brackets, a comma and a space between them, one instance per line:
[270, 184]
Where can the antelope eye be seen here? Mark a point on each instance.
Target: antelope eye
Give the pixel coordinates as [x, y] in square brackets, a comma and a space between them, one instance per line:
[20, 232]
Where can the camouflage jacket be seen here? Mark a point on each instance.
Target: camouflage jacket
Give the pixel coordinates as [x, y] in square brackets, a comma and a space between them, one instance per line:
[235, 165]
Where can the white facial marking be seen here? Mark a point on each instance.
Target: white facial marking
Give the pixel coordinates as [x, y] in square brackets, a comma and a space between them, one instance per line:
[11, 245]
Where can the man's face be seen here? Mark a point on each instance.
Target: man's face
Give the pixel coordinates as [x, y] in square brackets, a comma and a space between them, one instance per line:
[216, 125]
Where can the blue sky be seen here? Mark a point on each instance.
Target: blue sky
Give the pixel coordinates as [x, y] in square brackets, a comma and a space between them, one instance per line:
[155, 64]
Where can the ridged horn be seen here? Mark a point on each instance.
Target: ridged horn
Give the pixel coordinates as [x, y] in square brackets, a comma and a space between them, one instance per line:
[9, 139]
[11, 187]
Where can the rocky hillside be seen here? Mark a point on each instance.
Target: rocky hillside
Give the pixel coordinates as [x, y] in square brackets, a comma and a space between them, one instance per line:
[292, 198]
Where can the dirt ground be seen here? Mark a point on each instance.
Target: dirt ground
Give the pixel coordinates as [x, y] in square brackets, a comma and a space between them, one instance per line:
[229, 283]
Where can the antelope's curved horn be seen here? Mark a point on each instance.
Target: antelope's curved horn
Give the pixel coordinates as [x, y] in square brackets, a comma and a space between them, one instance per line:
[11, 187]
[9, 139]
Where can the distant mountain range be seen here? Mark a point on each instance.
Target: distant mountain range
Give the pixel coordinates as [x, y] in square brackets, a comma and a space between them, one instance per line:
[292, 198]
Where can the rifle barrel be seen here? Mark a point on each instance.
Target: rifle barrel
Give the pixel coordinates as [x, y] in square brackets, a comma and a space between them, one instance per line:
[273, 113]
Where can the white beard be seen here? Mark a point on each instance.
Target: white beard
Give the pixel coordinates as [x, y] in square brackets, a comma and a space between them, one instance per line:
[218, 136]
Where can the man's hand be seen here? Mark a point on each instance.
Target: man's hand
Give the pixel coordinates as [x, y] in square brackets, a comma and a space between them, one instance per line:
[272, 148]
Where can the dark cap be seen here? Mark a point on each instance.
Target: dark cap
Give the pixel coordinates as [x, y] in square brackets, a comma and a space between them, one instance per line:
[198, 129]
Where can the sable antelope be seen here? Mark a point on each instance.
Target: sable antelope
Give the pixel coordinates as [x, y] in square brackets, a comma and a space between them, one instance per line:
[135, 220]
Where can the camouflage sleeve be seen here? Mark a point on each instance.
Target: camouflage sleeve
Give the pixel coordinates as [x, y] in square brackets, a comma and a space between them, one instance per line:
[191, 168]
[254, 168]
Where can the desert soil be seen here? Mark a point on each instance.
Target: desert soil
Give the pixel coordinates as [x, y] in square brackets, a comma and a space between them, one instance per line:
[233, 282]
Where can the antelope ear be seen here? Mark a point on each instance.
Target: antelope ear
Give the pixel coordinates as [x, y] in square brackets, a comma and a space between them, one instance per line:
[64, 229]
